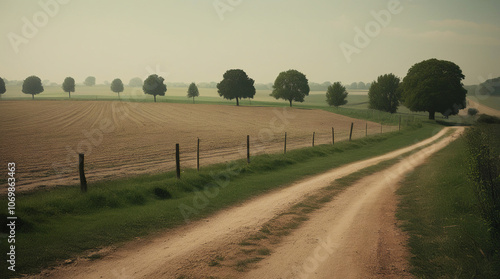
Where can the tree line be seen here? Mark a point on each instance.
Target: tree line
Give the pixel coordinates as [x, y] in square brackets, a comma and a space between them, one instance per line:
[433, 85]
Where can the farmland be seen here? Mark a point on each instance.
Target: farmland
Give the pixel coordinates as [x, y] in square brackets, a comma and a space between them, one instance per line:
[128, 138]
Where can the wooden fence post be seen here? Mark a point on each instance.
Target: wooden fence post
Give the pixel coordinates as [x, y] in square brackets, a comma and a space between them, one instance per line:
[313, 137]
[381, 128]
[248, 149]
[198, 155]
[177, 161]
[81, 169]
[284, 149]
[333, 136]
[366, 130]
[400, 123]
[350, 134]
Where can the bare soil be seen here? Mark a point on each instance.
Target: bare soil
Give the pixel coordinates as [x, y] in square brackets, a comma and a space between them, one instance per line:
[120, 139]
[353, 236]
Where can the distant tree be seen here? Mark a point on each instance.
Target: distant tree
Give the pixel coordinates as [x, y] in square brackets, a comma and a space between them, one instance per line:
[193, 91]
[154, 85]
[69, 85]
[291, 85]
[2, 87]
[367, 85]
[361, 85]
[472, 111]
[236, 85]
[32, 85]
[434, 86]
[117, 86]
[385, 93]
[89, 81]
[353, 85]
[135, 82]
[336, 94]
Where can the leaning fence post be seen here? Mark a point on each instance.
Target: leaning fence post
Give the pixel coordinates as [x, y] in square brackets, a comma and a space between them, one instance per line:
[350, 134]
[333, 136]
[284, 149]
[81, 169]
[248, 149]
[313, 138]
[198, 155]
[177, 161]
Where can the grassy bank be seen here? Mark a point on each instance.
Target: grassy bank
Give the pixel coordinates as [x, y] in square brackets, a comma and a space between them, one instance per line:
[448, 238]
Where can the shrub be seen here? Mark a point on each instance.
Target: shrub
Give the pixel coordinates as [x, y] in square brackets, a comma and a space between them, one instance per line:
[488, 119]
[472, 111]
[162, 194]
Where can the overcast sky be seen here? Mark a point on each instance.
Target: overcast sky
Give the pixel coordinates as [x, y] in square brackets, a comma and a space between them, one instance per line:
[198, 40]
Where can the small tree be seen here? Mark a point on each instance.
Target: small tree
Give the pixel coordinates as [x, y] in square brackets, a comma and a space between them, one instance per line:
[135, 82]
[154, 85]
[291, 85]
[434, 86]
[117, 86]
[193, 91]
[32, 85]
[89, 81]
[236, 85]
[385, 93]
[336, 95]
[472, 111]
[2, 87]
[69, 85]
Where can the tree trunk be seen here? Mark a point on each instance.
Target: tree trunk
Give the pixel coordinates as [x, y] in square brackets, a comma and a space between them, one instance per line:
[290, 103]
[119, 96]
[69, 94]
[155, 98]
[237, 102]
[193, 99]
[32, 96]
[432, 115]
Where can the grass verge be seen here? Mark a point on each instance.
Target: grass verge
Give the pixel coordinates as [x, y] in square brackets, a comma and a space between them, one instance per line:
[63, 223]
[448, 238]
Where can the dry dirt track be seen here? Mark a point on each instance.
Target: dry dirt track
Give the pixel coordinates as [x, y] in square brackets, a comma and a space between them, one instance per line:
[482, 108]
[121, 138]
[358, 227]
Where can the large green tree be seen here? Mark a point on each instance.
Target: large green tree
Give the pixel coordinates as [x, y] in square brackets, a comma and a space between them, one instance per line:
[32, 85]
[385, 93]
[117, 86]
[336, 94]
[193, 91]
[291, 85]
[89, 81]
[69, 85]
[154, 85]
[236, 85]
[2, 87]
[434, 86]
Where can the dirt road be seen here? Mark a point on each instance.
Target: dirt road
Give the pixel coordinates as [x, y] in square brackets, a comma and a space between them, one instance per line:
[356, 231]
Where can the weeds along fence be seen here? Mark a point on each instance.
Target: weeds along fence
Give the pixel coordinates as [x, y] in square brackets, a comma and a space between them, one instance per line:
[194, 153]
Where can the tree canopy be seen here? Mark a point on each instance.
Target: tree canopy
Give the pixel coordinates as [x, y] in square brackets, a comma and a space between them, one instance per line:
[385, 93]
[291, 85]
[336, 94]
[32, 85]
[236, 85]
[434, 86]
[117, 86]
[89, 81]
[2, 86]
[193, 91]
[69, 85]
[154, 85]
[135, 82]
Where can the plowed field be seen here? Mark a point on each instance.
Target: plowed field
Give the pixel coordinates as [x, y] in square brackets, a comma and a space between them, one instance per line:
[44, 138]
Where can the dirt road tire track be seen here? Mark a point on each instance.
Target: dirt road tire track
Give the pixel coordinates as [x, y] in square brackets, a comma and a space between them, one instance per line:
[185, 250]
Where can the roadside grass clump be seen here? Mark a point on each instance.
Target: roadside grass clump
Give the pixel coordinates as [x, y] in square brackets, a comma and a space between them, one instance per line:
[439, 211]
[71, 222]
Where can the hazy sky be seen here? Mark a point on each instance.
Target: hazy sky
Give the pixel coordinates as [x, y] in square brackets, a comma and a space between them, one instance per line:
[198, 40]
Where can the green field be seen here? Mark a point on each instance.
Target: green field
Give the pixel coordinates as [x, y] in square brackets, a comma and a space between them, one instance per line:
[490, 101]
